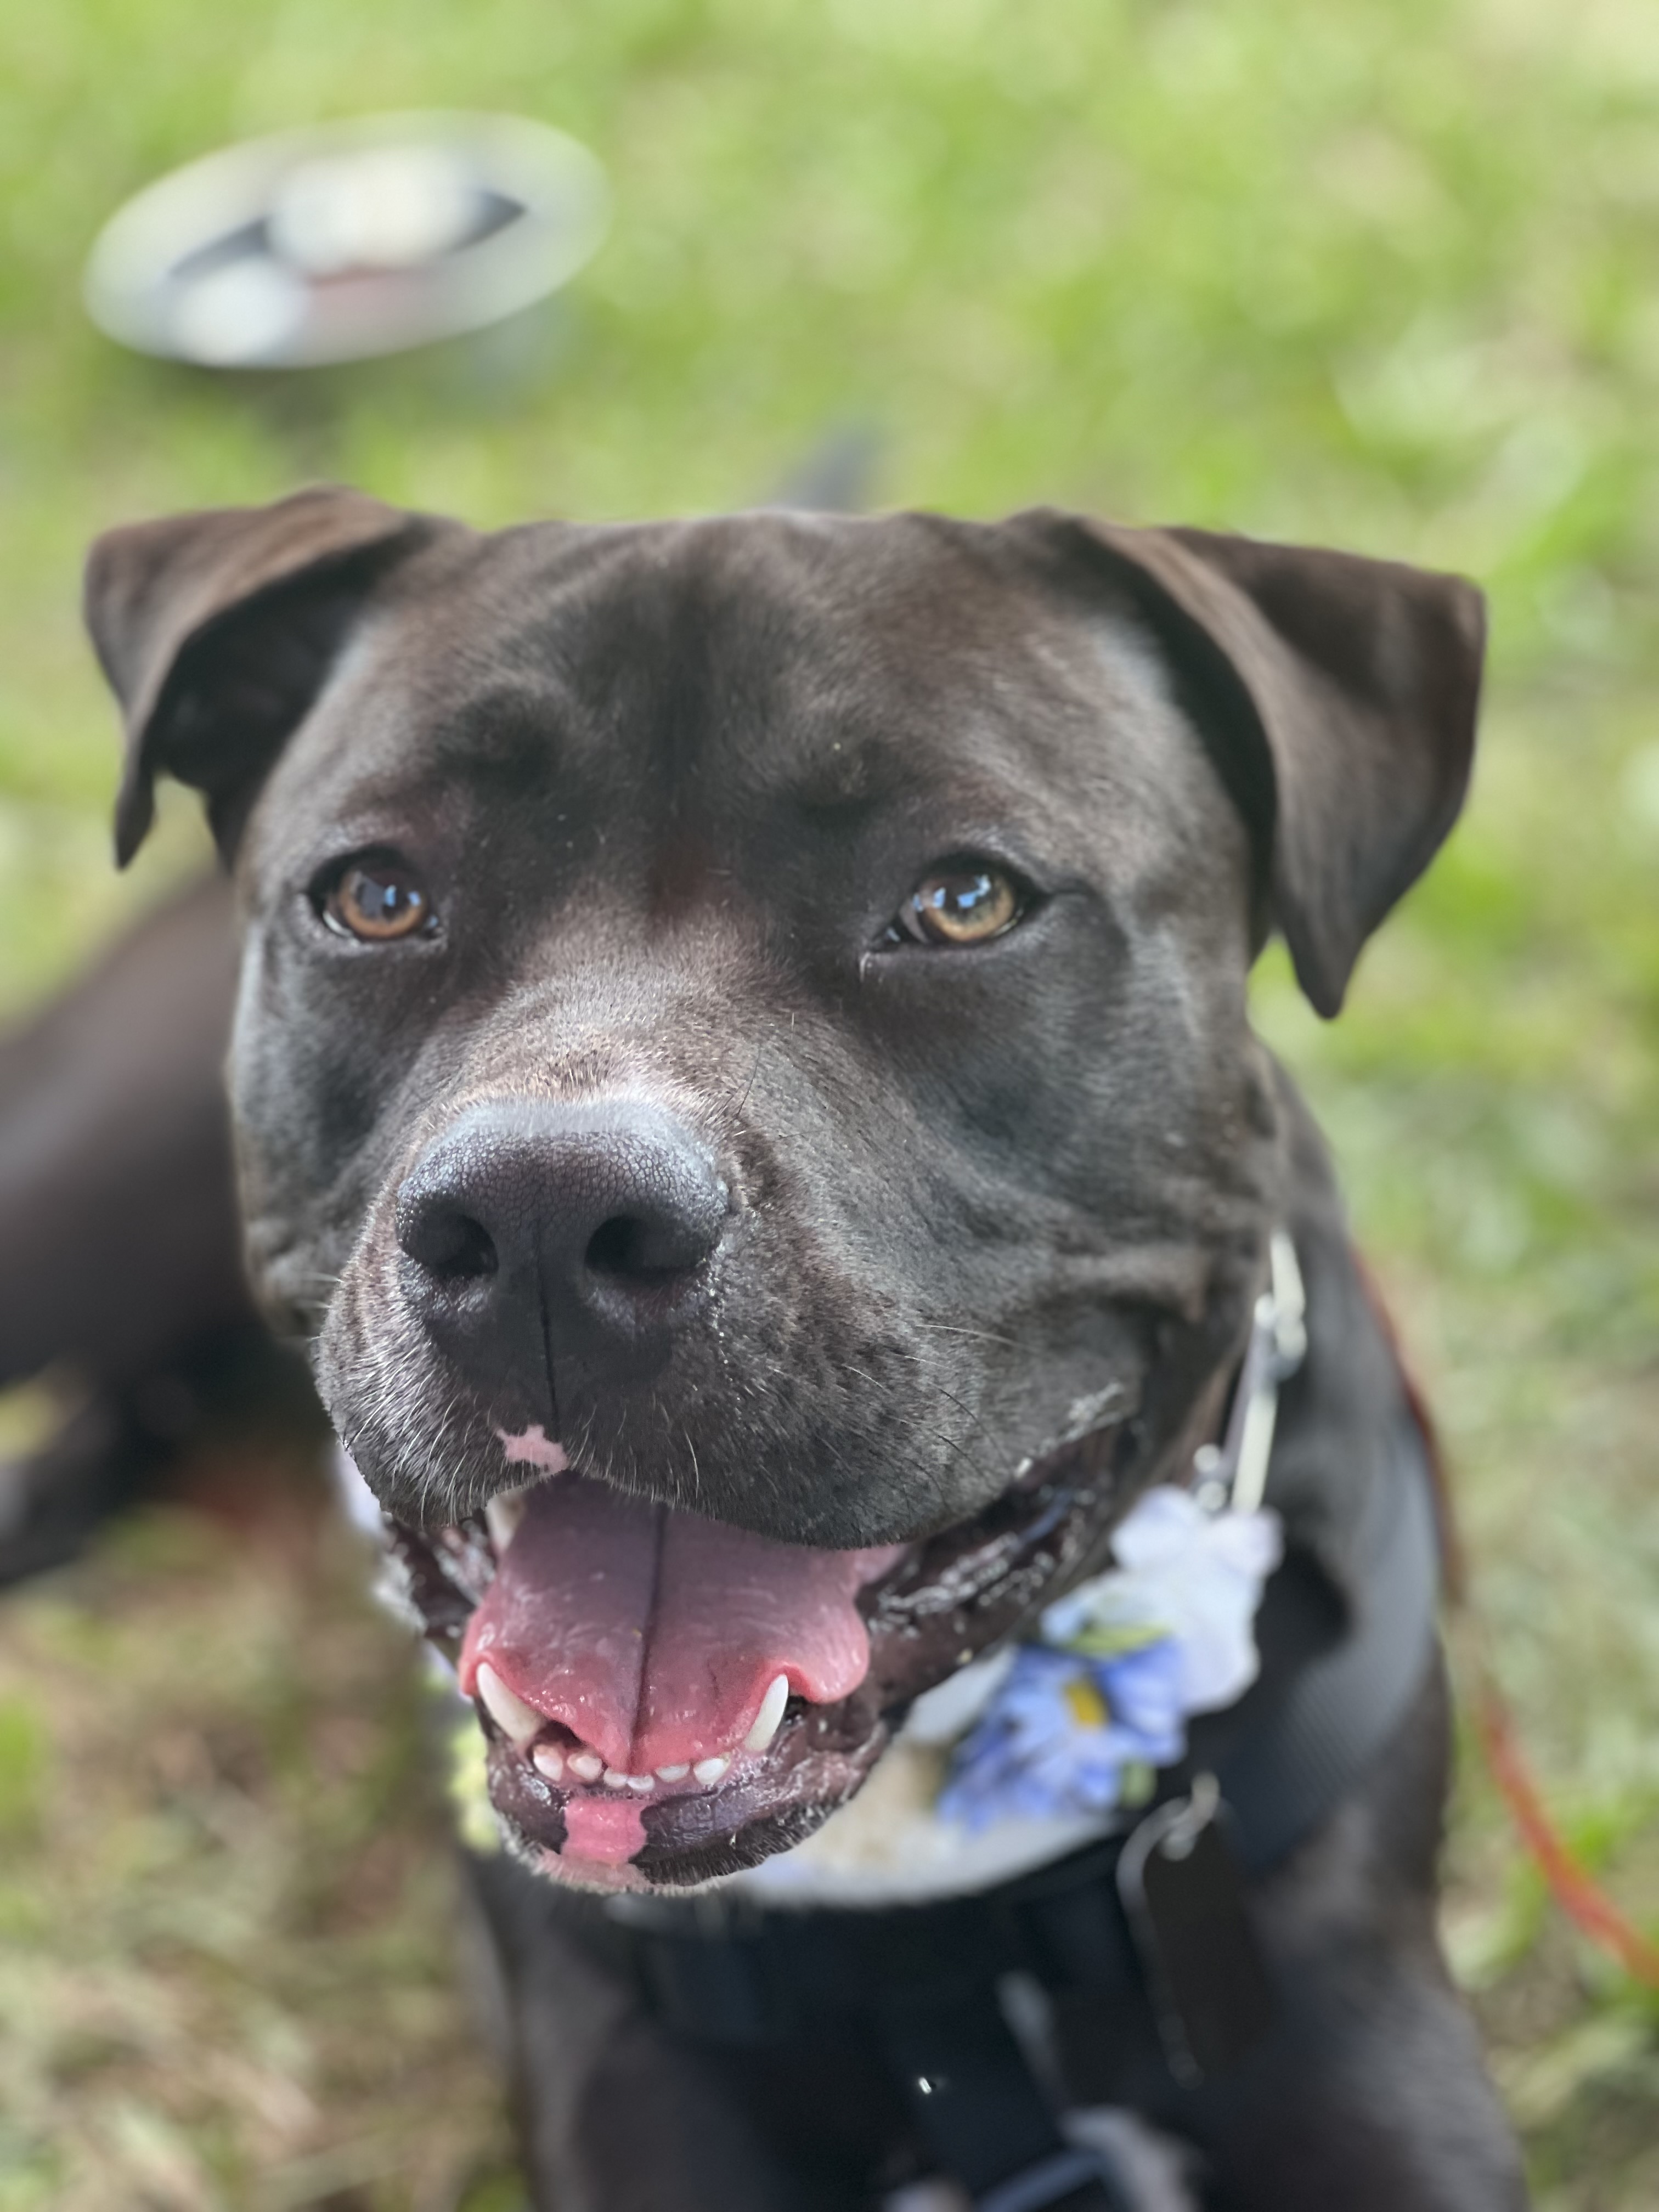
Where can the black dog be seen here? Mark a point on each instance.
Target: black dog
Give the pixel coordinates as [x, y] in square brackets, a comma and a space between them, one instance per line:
[743, 1025]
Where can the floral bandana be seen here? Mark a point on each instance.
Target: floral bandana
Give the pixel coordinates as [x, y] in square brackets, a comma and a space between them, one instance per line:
[1088, 1710]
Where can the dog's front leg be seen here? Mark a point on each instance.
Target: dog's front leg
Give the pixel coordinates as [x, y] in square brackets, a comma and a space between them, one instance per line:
[1369, 2094]
[1380, 2099]
[612, 2117]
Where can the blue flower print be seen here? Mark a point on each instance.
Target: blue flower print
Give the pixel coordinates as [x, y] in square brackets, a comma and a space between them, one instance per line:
[1062, 1731]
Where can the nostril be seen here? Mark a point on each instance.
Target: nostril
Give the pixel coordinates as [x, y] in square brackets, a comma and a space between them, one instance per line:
[629, 1249]
[452, 1245]
[599, 1222]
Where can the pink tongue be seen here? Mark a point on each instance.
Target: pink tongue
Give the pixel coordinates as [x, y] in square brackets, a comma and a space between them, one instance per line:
[653, 1635]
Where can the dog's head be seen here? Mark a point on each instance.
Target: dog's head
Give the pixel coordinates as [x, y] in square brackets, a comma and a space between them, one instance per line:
[742, 1066]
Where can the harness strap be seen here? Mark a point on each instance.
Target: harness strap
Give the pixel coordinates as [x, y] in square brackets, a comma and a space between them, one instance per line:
[981, 2115]
[1070, 2181]
[1318, 1731]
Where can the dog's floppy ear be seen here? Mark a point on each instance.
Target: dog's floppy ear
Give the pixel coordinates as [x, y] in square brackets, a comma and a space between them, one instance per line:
[1339, 697]
[216, 630]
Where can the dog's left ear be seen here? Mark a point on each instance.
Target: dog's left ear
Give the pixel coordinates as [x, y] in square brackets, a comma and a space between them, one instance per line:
[1337, 696]
[217, 629]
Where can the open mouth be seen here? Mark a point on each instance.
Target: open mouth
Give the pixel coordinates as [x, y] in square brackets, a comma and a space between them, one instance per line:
[668, 1699]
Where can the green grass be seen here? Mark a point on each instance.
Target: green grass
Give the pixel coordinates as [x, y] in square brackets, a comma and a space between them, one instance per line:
[1384, 274]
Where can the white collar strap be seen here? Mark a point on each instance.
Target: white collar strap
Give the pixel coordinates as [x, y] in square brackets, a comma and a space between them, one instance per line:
[1232, 1475]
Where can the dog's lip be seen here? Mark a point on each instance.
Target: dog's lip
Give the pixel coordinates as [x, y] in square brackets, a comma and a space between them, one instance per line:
[448, 1569]
[945, 1598]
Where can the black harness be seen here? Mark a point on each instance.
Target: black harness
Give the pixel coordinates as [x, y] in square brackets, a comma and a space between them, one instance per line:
[942, 1991]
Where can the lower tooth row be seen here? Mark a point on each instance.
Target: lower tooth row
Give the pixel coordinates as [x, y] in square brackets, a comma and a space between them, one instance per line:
[554, 1765]
[522, 1721]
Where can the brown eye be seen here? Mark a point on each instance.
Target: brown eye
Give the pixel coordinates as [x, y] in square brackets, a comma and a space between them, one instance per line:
[376, 899]
[964, 905]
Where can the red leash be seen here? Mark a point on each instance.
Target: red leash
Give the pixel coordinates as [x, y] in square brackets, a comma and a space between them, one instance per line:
[1574, 1888]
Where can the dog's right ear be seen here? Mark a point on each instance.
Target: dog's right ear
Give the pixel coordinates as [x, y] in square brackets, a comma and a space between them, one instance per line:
[216, 630]
[1337, 696]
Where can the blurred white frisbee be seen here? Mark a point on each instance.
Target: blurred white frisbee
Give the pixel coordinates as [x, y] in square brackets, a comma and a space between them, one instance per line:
[347, 240]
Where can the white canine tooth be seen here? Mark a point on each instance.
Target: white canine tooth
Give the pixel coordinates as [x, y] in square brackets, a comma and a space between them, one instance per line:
[642, 1782]
[506, 1708]
[548, 1760]
[672, 1773]
[615, 1778]
[586, 1765]
[770, 1715]
[502, 1514]
[710, 1770]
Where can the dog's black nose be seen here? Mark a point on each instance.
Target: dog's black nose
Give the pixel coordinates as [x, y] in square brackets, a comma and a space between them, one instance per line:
[539, 1231]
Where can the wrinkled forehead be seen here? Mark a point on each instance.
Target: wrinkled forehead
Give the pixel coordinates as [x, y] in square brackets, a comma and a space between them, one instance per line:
[732, 666]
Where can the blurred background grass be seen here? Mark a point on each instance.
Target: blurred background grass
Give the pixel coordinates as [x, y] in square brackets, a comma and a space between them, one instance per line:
[1383, 274]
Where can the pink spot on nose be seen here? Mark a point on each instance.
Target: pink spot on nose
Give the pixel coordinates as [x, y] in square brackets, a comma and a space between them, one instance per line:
[534, 1448]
